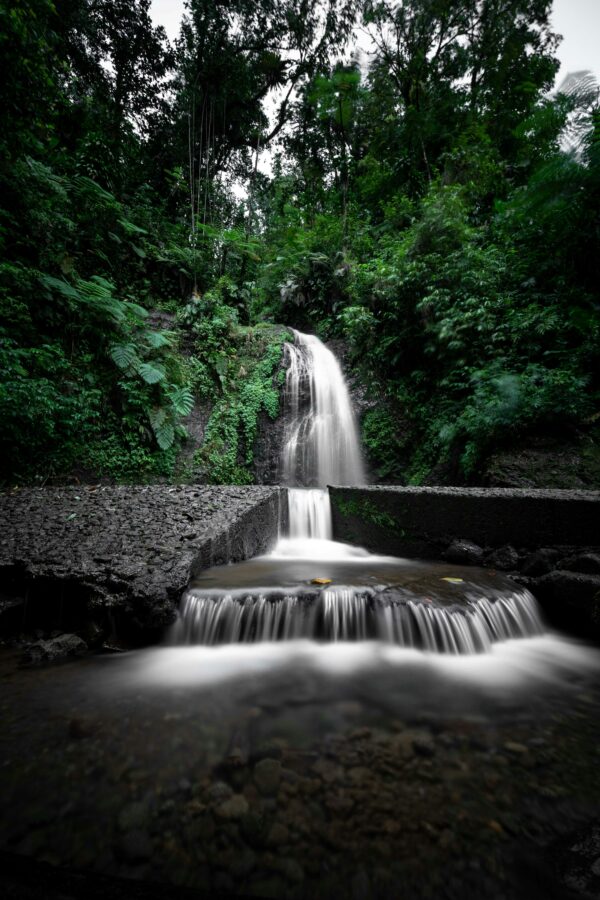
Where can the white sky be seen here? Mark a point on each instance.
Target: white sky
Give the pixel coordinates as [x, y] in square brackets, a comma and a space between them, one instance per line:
[577, 20]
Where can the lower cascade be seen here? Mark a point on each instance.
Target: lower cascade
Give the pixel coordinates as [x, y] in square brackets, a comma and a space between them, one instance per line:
[312, 587]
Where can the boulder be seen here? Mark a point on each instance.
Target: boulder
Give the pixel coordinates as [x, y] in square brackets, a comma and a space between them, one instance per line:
[540, 562]
[588, 563]
[504, 558]
[55, 649]
[465, 553]
[579, 594]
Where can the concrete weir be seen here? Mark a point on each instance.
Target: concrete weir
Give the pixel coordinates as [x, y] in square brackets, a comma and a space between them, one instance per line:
[121, 555]
[422, 521]
[546, 540]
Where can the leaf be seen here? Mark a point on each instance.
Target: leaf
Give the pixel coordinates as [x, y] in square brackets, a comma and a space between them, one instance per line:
[123, 355]
[221, 365]
[157, 417]
[151, 374]
[158, 339]
[141, 253]
[165, 435]
[182, 400]
[453, 580]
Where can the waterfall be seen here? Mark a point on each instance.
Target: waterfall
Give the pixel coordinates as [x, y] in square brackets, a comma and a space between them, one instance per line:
[321, 445]
[329, 591]
[354, 614]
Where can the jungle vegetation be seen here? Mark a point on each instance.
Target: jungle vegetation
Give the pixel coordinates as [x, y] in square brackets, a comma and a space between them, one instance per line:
[432, 201]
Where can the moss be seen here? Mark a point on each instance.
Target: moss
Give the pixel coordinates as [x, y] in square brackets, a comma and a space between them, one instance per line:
[250, 384]
[369, 512]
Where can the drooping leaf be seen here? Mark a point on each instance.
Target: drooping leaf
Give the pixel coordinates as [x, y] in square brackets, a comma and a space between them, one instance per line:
[151, 373]
[158, 339]
[123, 355]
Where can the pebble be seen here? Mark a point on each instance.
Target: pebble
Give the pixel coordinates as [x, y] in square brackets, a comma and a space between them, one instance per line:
[133, 816]
[515, 747]
[234, 808]
[134, 846]
[267, 776]
[278, 835]
[219, 792]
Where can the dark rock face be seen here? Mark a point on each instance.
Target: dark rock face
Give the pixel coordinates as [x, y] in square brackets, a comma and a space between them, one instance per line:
[560, 589]
[123, 555]
[268, 447]
[540, 562]
[586, 562]
[504, 558]
[55, 649]
[464, 552]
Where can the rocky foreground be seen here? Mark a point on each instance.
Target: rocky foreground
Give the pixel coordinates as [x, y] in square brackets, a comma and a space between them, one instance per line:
[297, 785]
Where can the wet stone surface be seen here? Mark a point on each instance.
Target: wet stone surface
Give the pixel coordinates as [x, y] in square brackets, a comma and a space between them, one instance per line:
[294, 782]
[122, 550]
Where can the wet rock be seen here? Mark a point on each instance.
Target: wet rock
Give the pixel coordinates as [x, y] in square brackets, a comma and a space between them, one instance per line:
[540, 562]
[234, 808]
[254, 828]
[515, 748]
[587, 563]
[278, 835]
[267, 776]
[134, 846]
[291, 870]
[423, 746]
[54, 650]
[504, 558]
[219, 792]
[133, 816]
[464, 552]
[572, 590]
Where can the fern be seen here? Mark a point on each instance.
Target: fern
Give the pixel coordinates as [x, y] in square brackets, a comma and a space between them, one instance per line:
[165, 435]
[151, 373]
[182, 400]
[158, 339]
[124, 355]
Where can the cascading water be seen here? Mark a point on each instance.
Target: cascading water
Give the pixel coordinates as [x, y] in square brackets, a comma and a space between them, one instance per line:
[322, 445]
[313, 587]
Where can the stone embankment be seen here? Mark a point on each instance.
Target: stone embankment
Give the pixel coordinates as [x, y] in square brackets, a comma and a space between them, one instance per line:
[116, 559]
[547, 540]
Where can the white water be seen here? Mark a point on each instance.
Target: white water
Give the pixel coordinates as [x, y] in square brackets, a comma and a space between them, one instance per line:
[322, 447]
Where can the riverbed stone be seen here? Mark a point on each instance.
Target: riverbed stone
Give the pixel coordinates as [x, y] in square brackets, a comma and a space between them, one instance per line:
[54, 649]
[540, 562]
[504, 558]
[234, 808]
[464, 552]
[587, 563]
[267, 776]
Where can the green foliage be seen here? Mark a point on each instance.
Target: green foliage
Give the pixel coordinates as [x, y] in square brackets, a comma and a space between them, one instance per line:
[249, 387]
[441, 214]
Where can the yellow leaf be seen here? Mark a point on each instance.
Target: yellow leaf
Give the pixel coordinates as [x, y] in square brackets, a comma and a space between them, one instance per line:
[453, 580]
[321, 581]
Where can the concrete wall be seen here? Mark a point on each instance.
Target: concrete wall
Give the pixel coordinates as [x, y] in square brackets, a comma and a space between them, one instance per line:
[547, 541]
[415, 521]
[123, 553]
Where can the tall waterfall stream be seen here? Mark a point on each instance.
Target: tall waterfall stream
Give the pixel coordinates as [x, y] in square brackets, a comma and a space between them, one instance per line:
[311, 586]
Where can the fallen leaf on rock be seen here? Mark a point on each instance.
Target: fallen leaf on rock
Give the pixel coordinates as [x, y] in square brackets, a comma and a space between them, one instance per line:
[453, 580]
[321, 581]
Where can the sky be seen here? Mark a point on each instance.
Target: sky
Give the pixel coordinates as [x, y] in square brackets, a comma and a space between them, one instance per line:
[577, 20]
